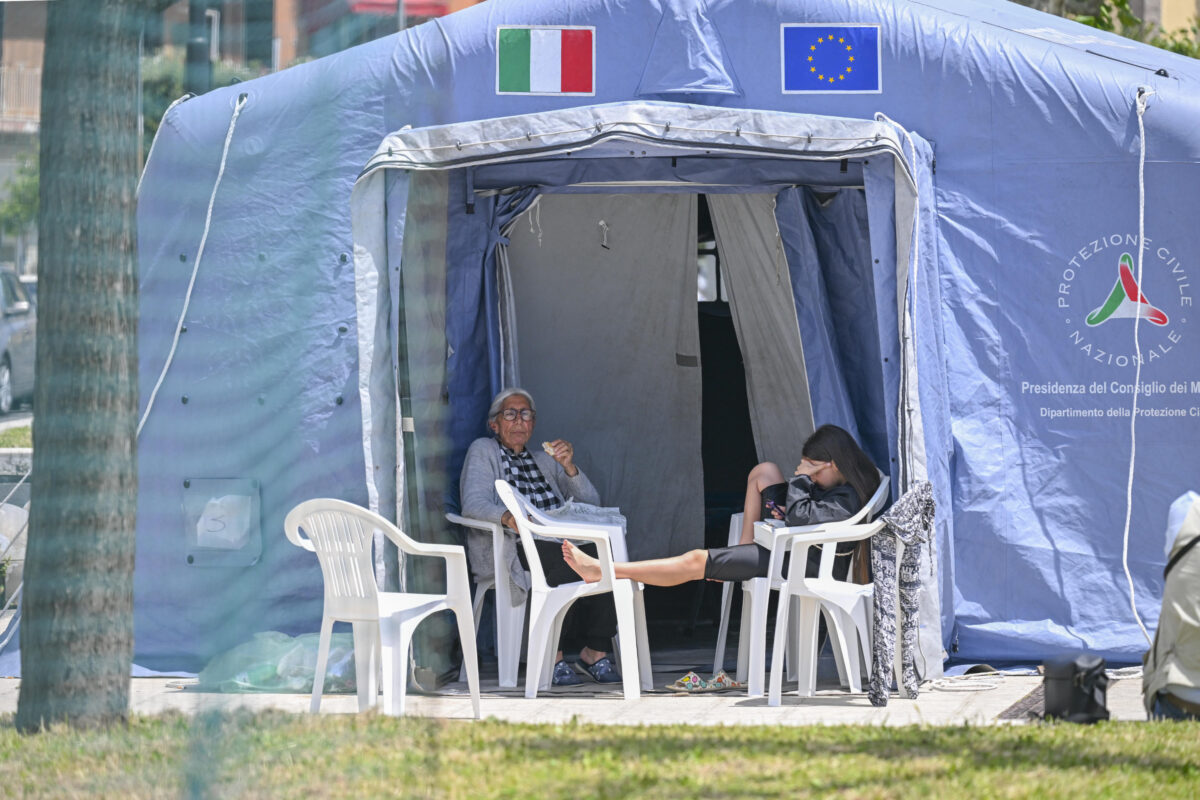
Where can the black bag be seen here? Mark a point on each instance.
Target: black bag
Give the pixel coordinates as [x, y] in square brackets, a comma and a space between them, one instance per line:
[1076, 688]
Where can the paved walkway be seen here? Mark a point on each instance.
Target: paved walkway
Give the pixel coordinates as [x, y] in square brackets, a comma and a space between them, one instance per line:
[956, 701]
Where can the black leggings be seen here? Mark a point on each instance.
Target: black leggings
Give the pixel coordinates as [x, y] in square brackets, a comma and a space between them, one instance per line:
[592, 620]
[745, 561]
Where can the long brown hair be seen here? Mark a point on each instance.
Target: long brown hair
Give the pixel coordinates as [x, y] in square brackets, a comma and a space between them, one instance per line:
[831, 443]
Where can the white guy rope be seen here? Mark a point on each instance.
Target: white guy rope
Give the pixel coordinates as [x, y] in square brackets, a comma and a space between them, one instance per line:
[154, 141]
[975, 682]
[1143, 96]
[237, 112]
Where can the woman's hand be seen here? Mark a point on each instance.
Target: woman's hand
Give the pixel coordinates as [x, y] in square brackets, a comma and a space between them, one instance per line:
[507, 521]
[809, 467]
[776, 510]
[563, 452]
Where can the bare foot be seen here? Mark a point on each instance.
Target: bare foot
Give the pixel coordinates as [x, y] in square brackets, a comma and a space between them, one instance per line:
[587, 567]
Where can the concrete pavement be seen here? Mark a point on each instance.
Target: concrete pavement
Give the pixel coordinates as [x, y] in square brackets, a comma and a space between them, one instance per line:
[976, 700]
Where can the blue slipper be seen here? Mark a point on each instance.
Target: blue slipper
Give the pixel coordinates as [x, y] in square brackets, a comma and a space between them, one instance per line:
[564, 675]
[603, 671]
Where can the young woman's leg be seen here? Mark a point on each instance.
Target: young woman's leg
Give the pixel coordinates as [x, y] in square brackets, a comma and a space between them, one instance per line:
[656, 572]
[764, 475]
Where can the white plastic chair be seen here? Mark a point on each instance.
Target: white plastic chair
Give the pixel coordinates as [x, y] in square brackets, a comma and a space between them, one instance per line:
[735, 536]
[844, 604]
[510, 615]
[341, 534]
[548, 605]
[756, 592]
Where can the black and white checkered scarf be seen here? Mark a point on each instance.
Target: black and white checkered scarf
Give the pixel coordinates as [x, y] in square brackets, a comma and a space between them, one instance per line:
[522, 473]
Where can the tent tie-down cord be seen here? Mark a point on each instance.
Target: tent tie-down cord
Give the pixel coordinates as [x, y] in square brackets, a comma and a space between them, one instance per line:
[154, 141]
[237, 112]
[187, 299]
[1143, 97]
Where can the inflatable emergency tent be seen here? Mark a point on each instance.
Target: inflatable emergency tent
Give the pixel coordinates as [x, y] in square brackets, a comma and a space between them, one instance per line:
[927, 216]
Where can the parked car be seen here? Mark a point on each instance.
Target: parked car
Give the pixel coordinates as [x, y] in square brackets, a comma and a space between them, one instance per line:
[18, 341]
[30, 284]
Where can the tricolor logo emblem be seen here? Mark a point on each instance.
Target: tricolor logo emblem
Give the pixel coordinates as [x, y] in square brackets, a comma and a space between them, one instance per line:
[536, 59]
[1126, 300]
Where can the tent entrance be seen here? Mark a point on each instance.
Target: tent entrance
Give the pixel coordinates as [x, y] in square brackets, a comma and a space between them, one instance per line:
[434, 214]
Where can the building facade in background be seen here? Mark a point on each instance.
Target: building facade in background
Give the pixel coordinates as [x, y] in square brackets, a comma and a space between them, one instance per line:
[22, 33]
[263, 35]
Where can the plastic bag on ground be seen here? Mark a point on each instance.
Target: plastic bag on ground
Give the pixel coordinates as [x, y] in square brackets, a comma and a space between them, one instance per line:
[275, 662]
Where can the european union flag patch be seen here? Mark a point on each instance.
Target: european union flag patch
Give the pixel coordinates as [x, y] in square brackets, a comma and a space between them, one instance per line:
[830, 58]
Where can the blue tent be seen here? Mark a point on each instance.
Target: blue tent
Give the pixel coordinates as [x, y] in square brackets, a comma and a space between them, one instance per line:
[961, 230]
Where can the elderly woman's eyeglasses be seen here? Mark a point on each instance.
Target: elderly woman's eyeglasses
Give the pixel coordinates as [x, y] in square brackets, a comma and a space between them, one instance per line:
[511, 414]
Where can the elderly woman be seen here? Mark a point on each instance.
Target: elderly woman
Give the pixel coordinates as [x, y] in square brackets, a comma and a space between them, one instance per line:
[546, 476]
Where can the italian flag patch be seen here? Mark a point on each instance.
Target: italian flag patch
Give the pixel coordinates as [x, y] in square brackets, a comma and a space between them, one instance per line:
[544, 60]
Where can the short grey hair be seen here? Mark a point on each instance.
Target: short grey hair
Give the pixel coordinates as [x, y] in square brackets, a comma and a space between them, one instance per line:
[498, 401]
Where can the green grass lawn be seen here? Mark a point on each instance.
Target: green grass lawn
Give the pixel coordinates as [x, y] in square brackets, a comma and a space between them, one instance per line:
[283, 755]
[17, 437]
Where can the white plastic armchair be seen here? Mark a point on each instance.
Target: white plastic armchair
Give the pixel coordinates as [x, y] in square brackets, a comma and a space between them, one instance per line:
[548, 605]
[847, 616]
[510, 614]
[756, 592]
[735, 536]
[341, 535]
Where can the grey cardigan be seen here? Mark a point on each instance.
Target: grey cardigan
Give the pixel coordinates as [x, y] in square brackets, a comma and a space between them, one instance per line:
[482, 467]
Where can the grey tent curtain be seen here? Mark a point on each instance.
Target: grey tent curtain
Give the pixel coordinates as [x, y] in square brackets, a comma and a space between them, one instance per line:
[604, 288]
[760, 295]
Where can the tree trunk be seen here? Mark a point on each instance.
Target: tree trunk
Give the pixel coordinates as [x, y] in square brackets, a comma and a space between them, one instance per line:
[77, 619]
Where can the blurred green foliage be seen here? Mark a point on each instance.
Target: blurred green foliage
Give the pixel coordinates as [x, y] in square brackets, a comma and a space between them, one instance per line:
[162, 84]
[1118, 17]
[19, 207]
